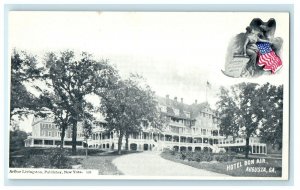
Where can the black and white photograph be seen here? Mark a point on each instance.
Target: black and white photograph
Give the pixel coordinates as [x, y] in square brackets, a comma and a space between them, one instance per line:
[149, 95]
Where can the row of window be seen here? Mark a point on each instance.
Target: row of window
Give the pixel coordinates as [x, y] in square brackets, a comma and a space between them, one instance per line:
[237, 141]
[205, 131]
[52, 142]
[231, 142]
[48, 126]
[57, 134]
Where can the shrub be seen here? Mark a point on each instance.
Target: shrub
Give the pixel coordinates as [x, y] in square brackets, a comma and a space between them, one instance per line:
[226, 157]
[189, 156]
[173, 152]
[58, 158]
[207, 157]
[182, 155]
[197, 156]
[42, 158]
[38, 161]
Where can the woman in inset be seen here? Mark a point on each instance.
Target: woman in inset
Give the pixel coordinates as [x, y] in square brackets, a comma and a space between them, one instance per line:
[251, 50]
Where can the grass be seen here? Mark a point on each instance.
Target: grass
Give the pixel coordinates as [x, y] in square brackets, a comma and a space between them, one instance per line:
[41, 158]
[221, 167]
[103, 162]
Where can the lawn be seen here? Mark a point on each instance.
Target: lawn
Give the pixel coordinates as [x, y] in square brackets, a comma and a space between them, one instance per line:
[236, 167]
[103, 162]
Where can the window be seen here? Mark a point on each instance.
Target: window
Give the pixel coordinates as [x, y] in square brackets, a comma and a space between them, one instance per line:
[48, 142]
[38, 141]
[68, 143]
[176, 111]
[163, 108]
[49, 133]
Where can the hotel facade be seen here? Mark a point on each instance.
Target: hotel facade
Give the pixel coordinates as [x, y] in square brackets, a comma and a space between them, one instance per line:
[192, 127]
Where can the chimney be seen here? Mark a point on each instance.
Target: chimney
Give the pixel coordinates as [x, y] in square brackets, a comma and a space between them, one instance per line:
[196, 101]
[167, 99]
[181, 100]
[175, 99]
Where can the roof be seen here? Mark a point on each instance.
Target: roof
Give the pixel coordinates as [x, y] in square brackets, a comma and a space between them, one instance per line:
[193, 109]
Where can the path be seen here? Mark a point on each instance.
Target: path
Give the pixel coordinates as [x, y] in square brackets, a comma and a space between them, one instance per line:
[151, 164]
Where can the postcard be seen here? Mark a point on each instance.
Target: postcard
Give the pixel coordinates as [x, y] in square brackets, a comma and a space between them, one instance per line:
[149, 95]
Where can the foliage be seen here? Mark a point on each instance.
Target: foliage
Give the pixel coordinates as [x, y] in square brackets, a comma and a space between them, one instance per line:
[248, 109]
[42, 158]
[16, 139]
[71, 80]
[127, 106]
[198, 156]
[224, 157]
[58, 158]
[24, 69]
[273, 115]
[221, 167]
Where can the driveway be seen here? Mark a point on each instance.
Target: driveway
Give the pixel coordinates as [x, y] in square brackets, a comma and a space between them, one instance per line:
[151, 164]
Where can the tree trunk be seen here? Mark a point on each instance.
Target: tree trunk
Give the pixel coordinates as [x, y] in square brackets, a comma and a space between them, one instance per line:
[62, 137]
[74, 137]
[247, 147]
[126, 142]
[120, 143]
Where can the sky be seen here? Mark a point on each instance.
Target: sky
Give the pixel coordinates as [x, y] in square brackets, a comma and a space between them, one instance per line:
[177, 53]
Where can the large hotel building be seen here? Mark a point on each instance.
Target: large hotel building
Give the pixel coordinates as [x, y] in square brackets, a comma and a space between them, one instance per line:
[189, 127]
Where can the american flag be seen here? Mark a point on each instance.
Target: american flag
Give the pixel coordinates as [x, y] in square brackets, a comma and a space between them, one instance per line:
[268, 58]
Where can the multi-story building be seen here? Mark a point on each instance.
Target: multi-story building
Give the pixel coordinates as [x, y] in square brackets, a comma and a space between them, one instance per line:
[188, 127]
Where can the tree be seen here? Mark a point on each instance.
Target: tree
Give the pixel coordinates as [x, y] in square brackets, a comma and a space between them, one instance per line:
[127, 106]
[61, 115]
[273, 115]
[87, 132]
[72, 79]
[16, 139]
[24, 70]
[243, 111]
[227, 110]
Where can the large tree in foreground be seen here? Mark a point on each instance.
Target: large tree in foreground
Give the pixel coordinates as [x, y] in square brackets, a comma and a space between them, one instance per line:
[127, 106]
[244, 111]
[71, 80]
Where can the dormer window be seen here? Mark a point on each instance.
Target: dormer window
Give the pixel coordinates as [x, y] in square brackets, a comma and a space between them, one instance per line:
[176, 111]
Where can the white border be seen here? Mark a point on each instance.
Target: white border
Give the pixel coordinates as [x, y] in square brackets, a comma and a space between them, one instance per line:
[296, 102]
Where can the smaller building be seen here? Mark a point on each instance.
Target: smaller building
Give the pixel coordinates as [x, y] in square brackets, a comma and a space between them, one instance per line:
[46, 134]
[238, 145]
